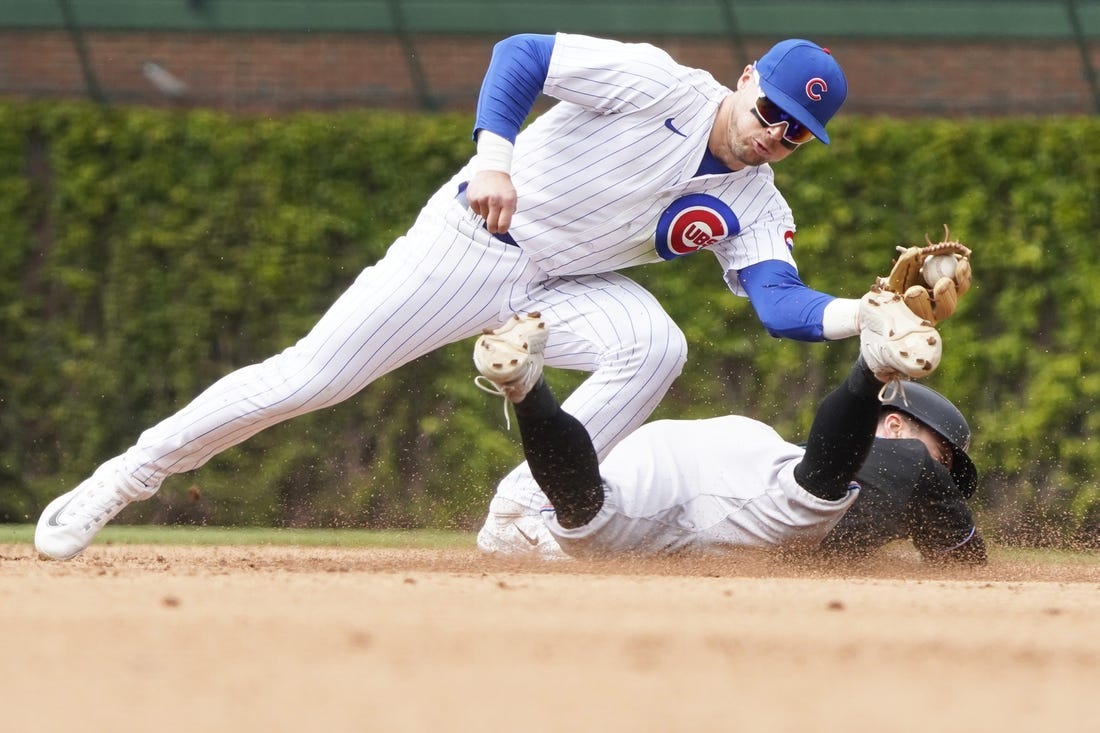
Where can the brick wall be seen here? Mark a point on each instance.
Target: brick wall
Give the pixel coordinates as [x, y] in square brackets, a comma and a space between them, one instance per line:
[269, 73]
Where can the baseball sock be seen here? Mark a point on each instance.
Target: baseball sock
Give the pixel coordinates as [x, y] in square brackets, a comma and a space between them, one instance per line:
[560, 455]
[841, 436]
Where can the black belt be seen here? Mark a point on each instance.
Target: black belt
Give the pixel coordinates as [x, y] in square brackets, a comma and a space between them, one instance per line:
[461, 198]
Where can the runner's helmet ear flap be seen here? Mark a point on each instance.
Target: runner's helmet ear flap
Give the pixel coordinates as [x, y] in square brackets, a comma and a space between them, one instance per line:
[938, 413]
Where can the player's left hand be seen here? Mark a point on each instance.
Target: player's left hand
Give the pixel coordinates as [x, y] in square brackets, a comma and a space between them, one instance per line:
[492, 196]
[931, 279]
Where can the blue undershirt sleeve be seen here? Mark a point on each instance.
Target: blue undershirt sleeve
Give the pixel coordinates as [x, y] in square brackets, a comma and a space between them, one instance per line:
[514, 80]
[784, 304]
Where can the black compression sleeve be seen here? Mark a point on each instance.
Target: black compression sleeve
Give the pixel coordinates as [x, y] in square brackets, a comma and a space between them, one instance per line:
[841, 435]
[561, 457]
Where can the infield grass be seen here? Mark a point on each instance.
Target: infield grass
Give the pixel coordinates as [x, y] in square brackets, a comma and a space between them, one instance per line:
[397, 538]
[158, 535]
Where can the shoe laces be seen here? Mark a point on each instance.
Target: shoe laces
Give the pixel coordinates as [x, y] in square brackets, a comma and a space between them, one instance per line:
[892, 389]
[487, 385]
[96, 505]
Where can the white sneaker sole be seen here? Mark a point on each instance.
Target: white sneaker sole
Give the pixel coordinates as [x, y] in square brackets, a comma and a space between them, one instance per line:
[509, 355]
[895, 342]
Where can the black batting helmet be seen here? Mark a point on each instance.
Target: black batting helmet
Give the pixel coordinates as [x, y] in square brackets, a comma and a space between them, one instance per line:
[938, 413]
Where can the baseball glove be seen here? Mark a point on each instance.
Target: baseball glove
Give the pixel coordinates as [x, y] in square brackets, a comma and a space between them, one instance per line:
[931, 279]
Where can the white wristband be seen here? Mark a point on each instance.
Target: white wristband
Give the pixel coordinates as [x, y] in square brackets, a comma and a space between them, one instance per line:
[840, 319]
[494, 153]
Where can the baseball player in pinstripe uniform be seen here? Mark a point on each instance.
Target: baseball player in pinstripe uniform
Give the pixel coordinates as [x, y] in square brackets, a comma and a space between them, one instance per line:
[731, 482]
[641, 160]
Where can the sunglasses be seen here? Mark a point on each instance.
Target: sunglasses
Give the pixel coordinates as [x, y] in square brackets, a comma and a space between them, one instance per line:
[770, 114]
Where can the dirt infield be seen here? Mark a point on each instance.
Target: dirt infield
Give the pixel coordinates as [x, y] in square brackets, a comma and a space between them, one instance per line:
[306, 639]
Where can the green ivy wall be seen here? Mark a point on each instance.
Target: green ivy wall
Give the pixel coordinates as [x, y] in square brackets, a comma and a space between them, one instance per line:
[143, 254]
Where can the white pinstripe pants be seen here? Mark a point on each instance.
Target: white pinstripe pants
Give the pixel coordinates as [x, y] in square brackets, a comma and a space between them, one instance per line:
[442, 282]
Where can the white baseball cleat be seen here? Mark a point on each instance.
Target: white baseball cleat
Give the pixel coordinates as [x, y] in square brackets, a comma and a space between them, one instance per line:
[511, 356]
[513, 530]
[71, 521]
[895, 342]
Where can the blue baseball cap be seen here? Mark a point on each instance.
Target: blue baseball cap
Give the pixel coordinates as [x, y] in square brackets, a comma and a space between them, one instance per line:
[805, 81]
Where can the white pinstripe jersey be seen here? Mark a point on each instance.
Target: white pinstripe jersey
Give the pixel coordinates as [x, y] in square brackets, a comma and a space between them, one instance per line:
[605, 178]
[703, 485]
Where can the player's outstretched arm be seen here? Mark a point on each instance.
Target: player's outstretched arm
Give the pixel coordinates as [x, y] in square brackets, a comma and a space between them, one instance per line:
[788, 308]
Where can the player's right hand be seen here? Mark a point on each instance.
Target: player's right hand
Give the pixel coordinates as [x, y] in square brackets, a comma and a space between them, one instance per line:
[492, 196]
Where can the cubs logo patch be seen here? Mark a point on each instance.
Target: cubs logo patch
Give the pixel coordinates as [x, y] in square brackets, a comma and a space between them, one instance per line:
[693, 222]
[815, 88]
